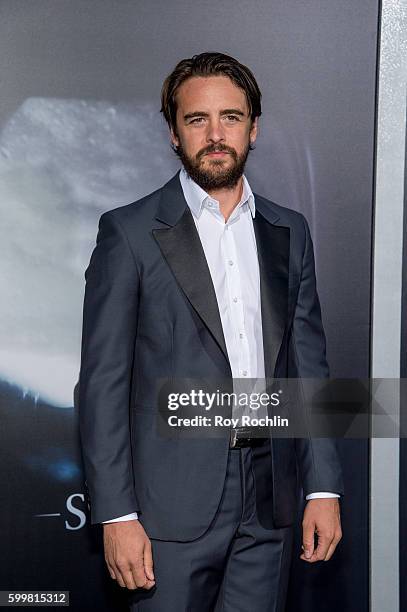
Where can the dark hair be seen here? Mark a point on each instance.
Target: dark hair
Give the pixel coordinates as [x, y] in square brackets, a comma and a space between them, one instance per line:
[206, 64]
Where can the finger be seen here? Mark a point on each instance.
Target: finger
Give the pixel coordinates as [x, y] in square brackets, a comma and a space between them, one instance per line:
[111, 571]
[311, 559]
[324, 542]
[148, 562]
[332, 548]
[149, 585]
[139, 574]
[124, 574]
[308, 531]
[119, 579]
[318, 556]
[128, 579]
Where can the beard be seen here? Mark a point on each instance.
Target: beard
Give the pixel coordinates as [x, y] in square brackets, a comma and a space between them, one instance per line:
[217, 174]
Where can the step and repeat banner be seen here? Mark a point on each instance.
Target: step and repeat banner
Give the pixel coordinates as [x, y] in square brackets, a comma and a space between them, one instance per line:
[81, 133]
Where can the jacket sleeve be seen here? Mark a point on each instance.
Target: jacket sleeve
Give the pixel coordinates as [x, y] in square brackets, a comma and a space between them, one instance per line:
[317, 458]
[110, 313]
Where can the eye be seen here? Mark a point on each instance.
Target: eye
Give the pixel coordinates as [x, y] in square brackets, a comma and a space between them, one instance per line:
[232, 118]
[197, 120]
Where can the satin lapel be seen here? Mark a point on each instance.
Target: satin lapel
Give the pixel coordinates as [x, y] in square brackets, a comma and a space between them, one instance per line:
[273, 250]
[183, 251]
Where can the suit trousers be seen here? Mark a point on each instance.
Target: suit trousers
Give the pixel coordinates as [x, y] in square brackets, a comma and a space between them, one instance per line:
[240, 564]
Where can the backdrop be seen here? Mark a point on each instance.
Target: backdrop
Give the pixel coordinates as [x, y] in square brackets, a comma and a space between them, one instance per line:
[80, 134]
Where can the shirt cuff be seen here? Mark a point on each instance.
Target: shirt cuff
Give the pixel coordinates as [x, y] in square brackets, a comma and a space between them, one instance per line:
[321, 495]
[126, 517]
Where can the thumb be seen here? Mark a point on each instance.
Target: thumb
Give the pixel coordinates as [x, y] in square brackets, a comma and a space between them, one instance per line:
[308, 540]
[148, 562]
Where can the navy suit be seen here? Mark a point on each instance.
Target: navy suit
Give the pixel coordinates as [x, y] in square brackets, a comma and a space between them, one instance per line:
[150, 312]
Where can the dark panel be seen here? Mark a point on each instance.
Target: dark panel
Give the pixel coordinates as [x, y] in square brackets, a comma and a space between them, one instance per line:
[315, 62]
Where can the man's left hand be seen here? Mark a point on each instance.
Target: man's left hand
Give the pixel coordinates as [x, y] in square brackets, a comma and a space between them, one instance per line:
[321, 516]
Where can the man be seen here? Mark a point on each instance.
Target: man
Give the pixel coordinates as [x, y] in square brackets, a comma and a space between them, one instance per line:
[202, 278]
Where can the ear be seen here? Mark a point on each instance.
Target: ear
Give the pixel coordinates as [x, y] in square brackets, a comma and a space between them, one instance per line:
[174, 137]
[253, 130]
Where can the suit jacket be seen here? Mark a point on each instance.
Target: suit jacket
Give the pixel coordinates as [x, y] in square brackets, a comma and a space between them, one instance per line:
[150, 312]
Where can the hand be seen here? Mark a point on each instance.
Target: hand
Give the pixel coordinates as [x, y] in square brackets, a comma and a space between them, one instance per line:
[321, 516]
[128, 554]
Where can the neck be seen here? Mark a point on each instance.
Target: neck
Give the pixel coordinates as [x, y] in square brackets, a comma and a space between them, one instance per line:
[228, 198]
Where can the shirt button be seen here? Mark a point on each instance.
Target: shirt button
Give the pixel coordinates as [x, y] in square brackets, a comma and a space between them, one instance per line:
[210, 204]
[235, 299]
[230, 262]
[241, 335]
[244, 373]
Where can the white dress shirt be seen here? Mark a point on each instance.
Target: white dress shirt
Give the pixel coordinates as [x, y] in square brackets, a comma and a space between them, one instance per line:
[231, 254]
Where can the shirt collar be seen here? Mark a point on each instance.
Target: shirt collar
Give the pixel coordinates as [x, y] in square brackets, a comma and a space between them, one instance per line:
[196, 196]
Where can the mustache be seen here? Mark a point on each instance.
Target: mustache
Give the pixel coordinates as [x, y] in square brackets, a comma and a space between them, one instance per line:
[216, 149]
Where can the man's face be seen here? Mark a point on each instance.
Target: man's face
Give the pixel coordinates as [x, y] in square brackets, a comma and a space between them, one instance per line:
[214, 130]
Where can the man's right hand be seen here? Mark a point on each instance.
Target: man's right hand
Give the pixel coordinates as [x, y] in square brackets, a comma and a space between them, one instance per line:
[128, 554]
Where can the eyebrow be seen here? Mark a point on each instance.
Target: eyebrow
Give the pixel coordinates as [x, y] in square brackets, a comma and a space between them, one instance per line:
[226, 111]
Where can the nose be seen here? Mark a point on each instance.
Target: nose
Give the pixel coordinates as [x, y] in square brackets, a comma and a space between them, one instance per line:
[215, 131]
